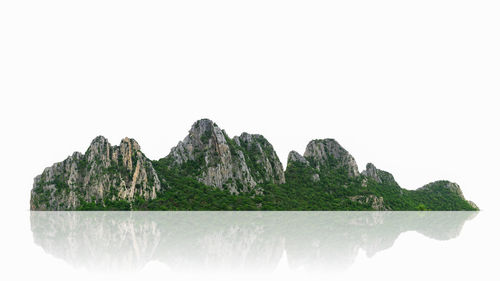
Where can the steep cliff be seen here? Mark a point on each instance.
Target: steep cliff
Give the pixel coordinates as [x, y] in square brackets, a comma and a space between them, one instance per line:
[207, 170]
[327, 167]
[103, 173]
[265, 166]
[238, 165]
[379, 176]
[329, 154]
[322, 159]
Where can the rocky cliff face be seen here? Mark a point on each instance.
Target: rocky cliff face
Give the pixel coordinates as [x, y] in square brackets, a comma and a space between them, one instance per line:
[238, 164]
[323, 157]
[379, 176]
[377, 203]
[264, 163]
[103, 172]
[443, 185]
[294, 156]
[328, 153]
[114, 177]
[371, 172]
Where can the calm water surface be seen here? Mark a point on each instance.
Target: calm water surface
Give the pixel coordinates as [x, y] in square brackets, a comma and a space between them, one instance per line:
[246, 245]
[229, 244]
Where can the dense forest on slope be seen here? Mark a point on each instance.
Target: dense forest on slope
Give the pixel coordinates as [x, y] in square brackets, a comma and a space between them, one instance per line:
[188, 194]
[210, 171]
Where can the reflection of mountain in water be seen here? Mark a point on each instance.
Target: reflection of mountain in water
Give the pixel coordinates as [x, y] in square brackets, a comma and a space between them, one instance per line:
[230, 240]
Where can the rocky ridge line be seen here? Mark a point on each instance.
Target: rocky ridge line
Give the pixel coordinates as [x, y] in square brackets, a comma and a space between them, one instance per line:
[103, 172]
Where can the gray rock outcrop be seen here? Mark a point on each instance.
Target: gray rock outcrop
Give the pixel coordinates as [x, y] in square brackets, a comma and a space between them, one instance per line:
[103, 172]
[325, 155]
[294, 156]
[329, 153]
[237, 164]
[122, 177]
[371, 172]
[376, 202]
[261, 154]
[379, 176]
[442, 184]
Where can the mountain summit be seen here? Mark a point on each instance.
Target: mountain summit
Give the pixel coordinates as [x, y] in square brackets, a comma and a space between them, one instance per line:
[208, 170]
[104, 173]
[237, 165]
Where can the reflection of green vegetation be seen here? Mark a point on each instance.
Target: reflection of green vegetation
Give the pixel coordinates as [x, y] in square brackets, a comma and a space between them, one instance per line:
[421, 207]
[108, 240]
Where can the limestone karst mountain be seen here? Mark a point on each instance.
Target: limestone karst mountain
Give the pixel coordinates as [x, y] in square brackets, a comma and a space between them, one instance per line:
[103, 173]
[208, 170]
[327, 166]
[237, 164]
[378, 175]
[330, 155]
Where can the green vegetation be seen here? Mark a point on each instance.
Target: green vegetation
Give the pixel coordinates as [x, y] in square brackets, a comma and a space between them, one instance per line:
[300, 192]
[327, 179]
[107, 205]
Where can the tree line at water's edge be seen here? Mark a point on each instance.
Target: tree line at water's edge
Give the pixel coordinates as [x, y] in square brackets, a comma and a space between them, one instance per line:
[208, 170]
[297, 194]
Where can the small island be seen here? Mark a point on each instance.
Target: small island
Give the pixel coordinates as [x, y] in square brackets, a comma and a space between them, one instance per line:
[210, 171]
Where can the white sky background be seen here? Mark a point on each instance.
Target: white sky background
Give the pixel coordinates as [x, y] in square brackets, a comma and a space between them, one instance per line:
[411, 86]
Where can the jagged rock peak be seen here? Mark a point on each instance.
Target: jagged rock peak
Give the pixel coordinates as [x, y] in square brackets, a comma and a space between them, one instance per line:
[378, 175]
[262, 154]
[99, 140]
[205, 130]
[371, 172]
[232, 164]
[249, 138]
[130, 143]
[294, 156]
[204, 135]
[104, 172]
[321, 151]
[98, 149]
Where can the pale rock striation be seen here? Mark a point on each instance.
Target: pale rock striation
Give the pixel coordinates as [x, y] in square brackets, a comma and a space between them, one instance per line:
[103, 172]
[379, 176]
[377, 203]
[237, 164]
[329, 153]
[294, 156]
[243, 164]
[262, 155]
[371, 172]
[451, 186]
[325, 155]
